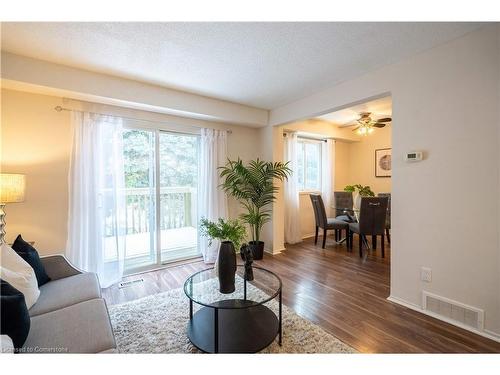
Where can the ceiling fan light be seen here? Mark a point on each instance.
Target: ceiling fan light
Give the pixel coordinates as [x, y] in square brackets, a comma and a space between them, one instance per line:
[363, 130]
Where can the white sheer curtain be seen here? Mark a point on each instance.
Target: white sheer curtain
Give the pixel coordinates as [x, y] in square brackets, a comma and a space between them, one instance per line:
[327, 173]
[97, 208]
[212, 200]
[291, 190]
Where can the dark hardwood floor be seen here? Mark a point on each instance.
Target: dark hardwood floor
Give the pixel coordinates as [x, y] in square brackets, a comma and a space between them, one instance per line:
[339, 291]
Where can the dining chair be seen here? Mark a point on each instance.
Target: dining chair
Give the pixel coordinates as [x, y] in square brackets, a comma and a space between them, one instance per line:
[343, 206]
[324, 222]
[372, 219]
[388, 217]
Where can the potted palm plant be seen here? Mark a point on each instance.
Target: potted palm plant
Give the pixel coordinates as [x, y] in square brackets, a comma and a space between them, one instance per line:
[253, 186]
[231, 234]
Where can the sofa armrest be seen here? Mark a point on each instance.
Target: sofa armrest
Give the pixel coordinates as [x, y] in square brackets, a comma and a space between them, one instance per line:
[58, 267]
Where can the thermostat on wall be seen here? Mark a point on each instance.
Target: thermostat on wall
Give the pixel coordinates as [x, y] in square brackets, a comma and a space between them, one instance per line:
[413, 156]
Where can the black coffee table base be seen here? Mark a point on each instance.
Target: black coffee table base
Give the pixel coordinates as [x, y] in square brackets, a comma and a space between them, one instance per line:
[227, 330]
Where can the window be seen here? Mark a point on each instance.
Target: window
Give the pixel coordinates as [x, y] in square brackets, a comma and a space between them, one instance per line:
[309, 165]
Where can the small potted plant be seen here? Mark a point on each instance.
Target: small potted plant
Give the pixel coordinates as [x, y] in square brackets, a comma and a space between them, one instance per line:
[231, 234]
[359, 191]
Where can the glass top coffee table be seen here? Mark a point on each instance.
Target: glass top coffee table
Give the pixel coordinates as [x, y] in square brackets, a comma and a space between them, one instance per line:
[238, 322]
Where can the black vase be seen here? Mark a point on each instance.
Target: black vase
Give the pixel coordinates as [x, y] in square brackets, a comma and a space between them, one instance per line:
[257, 249]
[226, 267]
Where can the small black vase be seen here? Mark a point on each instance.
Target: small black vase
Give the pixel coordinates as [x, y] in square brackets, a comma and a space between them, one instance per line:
[226, 267]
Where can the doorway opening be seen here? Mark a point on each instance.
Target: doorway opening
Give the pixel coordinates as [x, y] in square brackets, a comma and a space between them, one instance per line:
[362, 155]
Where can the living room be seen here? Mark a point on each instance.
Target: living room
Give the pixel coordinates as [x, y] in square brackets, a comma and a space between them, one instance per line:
[188, 198]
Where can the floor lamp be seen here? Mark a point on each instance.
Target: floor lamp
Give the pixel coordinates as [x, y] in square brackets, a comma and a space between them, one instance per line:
[12, 188]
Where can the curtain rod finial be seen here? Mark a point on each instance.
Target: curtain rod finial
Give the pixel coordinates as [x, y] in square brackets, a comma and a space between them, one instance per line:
[58, 108]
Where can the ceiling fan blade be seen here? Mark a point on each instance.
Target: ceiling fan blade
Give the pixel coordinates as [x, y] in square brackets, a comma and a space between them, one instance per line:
[385, 119]
[356, 128]
[378, 125]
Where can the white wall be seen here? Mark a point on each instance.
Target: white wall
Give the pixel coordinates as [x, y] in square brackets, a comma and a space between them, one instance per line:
[270, 147]
[36, 140]
[445, 208]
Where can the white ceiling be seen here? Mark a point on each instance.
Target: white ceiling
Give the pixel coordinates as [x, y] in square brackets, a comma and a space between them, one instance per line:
[259, 64]
[379, 108]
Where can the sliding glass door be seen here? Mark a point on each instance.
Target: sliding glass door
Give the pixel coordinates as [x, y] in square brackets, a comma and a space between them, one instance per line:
[161, 180]
[178, 155]
[140, 194]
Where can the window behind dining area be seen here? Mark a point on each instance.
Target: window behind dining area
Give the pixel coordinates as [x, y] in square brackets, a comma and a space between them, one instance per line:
[309, 164]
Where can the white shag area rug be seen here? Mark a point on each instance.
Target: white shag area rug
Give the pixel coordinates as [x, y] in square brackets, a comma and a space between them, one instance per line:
[157, 324]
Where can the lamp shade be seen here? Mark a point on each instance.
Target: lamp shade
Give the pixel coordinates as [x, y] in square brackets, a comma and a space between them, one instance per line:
[12, 187]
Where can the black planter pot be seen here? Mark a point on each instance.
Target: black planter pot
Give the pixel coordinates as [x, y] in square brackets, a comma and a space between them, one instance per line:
[257, 249]
[226, 267]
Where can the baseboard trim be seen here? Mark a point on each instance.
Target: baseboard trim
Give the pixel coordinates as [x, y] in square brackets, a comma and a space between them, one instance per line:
[271, 252]
[485, 333]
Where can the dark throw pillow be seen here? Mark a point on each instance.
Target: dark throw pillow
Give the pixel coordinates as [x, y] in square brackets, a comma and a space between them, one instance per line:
[15, 320]
[30, 255]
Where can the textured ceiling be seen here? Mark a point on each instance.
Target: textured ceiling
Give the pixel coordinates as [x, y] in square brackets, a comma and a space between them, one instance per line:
[259, 64]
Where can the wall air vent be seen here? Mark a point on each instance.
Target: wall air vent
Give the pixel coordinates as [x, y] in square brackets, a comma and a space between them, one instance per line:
[452, 311]
[125, 284]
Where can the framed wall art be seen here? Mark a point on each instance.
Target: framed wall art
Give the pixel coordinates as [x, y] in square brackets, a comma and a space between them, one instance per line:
[383, 162]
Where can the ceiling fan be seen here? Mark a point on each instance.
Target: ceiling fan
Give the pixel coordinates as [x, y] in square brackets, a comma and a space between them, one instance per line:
[366, 125]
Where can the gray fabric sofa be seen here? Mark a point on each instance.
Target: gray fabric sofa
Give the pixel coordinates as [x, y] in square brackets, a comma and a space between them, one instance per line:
[70, 316]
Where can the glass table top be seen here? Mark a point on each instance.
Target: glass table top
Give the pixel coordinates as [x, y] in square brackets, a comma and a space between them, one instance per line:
[203, 288]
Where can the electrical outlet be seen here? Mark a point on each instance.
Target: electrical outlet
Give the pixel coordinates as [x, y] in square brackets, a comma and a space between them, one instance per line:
[426, 274]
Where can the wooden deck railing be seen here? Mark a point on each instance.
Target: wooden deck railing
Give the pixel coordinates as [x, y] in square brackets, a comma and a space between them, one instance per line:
[177, 209]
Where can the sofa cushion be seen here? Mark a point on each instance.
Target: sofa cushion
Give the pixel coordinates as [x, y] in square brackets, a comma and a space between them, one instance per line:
[30, 255]
[15, 320]
[80, 328]
[66, 292]
[19, 274]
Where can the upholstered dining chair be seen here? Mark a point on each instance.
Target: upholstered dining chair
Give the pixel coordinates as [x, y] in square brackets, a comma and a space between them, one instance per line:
[388, 217]
[343, 205]
[324, 222]
[372, 216]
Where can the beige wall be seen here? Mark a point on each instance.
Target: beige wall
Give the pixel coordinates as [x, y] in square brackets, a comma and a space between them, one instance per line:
[36, 141]
[342, 165]
[445, 103]
[359, 159]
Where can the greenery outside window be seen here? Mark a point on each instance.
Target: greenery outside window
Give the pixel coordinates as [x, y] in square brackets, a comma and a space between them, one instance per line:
[309, 164]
